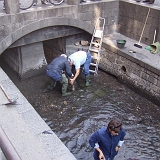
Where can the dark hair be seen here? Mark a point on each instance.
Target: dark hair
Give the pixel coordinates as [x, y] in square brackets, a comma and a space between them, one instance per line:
[114, 125]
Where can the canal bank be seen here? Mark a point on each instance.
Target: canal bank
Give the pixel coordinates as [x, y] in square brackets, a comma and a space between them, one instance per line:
[31, 137]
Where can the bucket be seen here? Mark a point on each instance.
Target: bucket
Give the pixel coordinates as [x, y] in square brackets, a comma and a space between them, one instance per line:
[155, 48]
[121, 43]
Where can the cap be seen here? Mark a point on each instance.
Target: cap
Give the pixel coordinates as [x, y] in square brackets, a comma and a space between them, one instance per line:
[64, 55]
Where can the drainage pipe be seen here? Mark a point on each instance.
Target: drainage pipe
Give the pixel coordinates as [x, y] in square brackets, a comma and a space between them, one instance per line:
[7, 147]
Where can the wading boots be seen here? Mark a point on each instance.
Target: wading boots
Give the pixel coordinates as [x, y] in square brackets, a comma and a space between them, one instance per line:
[64, 82]
[53, 84]
[87, 80]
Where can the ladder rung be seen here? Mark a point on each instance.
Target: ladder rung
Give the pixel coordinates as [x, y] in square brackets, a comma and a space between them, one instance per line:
[96, 43]
[97, 57]
[92, 71]
[98, 33]
[93, 50]
[93, 64]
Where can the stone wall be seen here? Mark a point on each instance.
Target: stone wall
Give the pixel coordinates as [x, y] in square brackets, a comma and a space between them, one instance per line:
[132, 16]
[26, 61]
[139, 75]
[13, 58]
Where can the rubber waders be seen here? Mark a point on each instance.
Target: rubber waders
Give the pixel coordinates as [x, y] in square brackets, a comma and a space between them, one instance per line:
[64, 82]
[53, 84]
[87, 80]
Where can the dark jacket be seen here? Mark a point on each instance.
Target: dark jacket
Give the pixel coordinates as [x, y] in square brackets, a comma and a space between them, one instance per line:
[107, 142]
[60, 64]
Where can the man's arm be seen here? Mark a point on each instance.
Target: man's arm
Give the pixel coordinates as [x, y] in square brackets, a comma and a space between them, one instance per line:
[76, 75]
[120, 143]
[68, 69]
[101, 156]
[94, 139]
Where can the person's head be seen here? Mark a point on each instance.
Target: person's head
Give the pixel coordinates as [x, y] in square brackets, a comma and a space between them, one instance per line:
[70, 61]
[64, 55]
[114, 127]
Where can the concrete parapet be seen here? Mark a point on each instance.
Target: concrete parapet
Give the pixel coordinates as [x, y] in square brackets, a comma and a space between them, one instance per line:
[25, 128]
[73, 2]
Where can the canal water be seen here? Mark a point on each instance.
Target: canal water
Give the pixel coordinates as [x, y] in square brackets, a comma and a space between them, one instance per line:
[74, 118]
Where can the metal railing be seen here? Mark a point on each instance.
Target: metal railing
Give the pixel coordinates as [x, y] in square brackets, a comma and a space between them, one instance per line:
[7, 147]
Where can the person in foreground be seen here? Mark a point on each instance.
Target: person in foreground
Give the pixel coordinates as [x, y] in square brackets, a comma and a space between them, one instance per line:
[76, 60]
[107, 141]
[56, 70]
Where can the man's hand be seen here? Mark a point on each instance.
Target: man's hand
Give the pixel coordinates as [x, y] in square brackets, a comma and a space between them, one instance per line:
[71, 81]
[101, 156]
[117, 148]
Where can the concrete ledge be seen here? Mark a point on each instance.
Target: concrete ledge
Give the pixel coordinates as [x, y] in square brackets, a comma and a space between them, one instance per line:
[24, 127]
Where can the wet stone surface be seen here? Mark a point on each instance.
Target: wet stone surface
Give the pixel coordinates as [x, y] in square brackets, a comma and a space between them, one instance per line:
[74, 118]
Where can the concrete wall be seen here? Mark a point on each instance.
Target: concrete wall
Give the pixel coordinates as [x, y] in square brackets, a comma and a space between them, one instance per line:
[132, 16]
[26, 61]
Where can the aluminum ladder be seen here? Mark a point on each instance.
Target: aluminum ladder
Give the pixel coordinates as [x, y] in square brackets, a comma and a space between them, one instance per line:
[96, 44]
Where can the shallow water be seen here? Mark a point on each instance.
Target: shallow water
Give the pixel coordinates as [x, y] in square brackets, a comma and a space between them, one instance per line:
[76, 117]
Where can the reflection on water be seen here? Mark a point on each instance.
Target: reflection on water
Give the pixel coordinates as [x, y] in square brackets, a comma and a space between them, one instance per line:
[76, 117]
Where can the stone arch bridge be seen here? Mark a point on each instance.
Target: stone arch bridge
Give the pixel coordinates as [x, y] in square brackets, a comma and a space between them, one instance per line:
[26, 31]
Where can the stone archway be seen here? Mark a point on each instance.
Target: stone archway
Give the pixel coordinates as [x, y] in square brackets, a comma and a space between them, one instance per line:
[30, 57]
[17, 34]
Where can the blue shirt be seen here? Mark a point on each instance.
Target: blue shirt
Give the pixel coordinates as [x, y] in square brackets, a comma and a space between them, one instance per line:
[107, 142]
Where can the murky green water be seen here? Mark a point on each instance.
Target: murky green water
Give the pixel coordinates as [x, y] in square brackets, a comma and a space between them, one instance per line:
[76, 117]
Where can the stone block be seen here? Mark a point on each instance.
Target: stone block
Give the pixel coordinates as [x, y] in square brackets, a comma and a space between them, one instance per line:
[107, 13]
[73, 2]
[6, 20]
[154, 13]
[12, 7]
[152, 79]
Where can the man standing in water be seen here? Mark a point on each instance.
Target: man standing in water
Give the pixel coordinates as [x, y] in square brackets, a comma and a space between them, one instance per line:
[76, 60]
[57, 70]
[107, 141]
